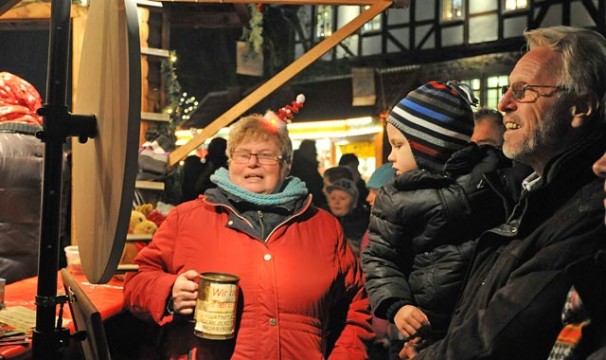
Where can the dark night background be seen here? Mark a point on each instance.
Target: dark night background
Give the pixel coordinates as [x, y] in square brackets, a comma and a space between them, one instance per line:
[25, 53]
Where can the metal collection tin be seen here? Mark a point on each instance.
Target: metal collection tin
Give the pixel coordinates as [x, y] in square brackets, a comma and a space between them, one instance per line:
[215, 314]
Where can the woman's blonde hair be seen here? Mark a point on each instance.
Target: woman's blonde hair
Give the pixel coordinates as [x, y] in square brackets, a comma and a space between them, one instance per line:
[257, 127]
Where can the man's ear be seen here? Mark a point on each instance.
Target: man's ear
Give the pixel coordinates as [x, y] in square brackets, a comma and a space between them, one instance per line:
[582, 112]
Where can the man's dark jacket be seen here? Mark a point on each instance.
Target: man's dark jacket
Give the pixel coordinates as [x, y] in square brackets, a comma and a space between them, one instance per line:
[512, 300]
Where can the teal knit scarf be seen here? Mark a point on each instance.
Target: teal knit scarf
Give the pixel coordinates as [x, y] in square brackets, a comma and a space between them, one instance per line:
[294, 189]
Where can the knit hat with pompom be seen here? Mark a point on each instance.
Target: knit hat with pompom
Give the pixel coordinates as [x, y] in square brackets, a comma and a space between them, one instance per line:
[437, 120]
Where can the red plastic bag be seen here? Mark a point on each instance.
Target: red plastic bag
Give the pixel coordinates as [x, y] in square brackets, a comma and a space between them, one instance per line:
[19, 100]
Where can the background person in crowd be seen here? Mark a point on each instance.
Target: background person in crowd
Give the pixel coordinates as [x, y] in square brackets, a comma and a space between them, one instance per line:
[21, 166]
[382, 175]
[333, 174]
[584, 315]
[511, 304]
[305, 167]
[342, 202]
[488, 127]
[382, 328]
[423, 224]
[302, 294]
[352, 162]
[196, 173]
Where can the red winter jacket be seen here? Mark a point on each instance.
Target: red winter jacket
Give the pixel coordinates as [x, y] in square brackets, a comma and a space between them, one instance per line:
[302, 290]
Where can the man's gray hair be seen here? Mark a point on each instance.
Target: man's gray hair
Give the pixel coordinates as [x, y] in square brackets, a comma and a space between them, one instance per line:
[583, 52]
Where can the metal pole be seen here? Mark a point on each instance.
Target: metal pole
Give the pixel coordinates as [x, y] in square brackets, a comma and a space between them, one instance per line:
[45, 341]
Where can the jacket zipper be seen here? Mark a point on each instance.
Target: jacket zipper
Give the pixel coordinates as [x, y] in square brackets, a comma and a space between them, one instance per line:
[260, 213]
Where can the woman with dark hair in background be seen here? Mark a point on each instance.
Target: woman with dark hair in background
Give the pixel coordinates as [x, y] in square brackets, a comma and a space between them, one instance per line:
[196, 174]
[305, 167]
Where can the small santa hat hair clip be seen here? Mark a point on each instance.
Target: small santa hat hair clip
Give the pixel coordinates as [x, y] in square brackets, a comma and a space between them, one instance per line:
[287, 112]
[283, 116]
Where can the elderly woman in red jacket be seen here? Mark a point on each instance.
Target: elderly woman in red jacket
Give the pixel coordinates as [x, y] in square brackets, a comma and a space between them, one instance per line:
[301, 288]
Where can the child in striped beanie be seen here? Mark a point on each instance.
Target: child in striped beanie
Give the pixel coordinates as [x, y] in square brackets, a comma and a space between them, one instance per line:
[424, 222]
[437, 120]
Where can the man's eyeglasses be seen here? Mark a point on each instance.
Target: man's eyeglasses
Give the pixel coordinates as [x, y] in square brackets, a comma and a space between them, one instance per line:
[243, 157]
[519, 90]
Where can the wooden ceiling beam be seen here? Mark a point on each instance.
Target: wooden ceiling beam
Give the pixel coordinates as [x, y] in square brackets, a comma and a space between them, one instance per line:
[278, 80]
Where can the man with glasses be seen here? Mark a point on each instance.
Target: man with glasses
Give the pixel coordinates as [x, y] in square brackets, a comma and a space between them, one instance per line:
[555, 122]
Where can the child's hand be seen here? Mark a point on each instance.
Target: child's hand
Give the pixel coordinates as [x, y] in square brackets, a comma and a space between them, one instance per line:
[409, 320]
[411, 348]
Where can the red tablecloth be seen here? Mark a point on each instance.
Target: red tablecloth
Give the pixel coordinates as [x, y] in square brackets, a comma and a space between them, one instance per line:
[108, 299]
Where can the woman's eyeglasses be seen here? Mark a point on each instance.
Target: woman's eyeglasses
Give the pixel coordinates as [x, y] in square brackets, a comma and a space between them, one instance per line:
[519, 90]
[243, 157]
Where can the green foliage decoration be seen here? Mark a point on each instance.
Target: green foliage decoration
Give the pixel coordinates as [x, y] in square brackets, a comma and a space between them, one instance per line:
[253, 33]
[180, 105]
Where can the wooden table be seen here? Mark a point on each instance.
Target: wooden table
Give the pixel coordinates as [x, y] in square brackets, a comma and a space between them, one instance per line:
[108, 298]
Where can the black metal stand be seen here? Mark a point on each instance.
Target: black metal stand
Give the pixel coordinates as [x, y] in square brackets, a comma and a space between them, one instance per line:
[58, 125]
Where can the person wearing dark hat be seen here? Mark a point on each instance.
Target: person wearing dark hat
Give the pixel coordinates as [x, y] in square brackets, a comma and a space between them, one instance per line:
[342, 195]
[333, 174]
[347, 197]
[423, 223]
[352, 162]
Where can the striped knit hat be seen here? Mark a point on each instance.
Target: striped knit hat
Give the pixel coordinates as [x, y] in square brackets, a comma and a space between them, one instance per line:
[437, 120]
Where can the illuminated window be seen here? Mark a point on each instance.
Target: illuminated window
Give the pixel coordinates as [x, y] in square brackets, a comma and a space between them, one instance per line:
[324, 21]
[452, 10]
[488, 90]
[512, 5]
[494, 84]
[372, 25]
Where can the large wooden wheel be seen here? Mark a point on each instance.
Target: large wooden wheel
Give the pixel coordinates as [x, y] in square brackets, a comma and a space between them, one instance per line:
[105, 168]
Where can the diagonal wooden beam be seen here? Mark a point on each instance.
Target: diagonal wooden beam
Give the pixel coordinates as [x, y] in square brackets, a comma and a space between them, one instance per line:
[278, 80]
[6, 5]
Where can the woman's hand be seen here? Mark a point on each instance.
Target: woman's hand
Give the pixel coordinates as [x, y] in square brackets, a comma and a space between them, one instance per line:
[185, 293]
[409, 320]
